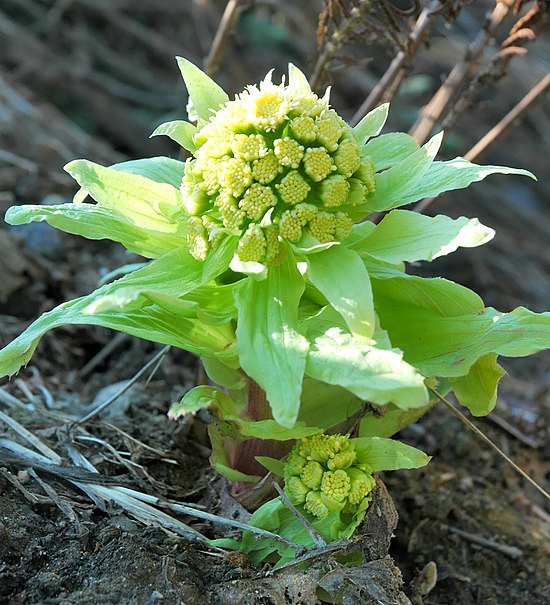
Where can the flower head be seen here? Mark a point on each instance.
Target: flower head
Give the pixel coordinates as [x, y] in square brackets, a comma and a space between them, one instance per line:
[272, 164]
[323, 474]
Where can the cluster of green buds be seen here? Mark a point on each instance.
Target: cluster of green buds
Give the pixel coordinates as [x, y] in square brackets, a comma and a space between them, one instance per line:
[269, 166]
[324, 474]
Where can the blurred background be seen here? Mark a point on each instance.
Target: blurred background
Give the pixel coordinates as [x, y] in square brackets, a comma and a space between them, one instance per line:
[93, 78]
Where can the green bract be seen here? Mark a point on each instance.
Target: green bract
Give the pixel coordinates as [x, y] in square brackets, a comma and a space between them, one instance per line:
[262, 263]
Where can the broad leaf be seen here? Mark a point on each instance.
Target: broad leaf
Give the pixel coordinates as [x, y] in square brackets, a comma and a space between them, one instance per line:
[454, 174]
[409, 236]
[180, 131]
[269, 429]
[336, 403]
[372, 123]
[97, 222]
[390, 149]
[341, 276]
[389, 420]
[272, 351]
[388, 455]
[225, 376]
[478, 389]
[148, 203]
[441, 340]
[159, 169]
[393, 185]
[207, 97]
[375, 375]
[174, 274]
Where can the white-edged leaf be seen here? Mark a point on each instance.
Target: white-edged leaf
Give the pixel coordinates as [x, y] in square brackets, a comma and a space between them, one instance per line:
[372, 123]
[180, 131]
[403, 235]
[297, 81]
[207, 96]
[97, 222]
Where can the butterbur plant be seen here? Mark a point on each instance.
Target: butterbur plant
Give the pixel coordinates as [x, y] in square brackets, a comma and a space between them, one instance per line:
[262, 261]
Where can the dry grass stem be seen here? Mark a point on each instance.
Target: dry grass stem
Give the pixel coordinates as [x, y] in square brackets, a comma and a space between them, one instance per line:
[434, 109]
[389, 83]
[494, 446]
[215, 55]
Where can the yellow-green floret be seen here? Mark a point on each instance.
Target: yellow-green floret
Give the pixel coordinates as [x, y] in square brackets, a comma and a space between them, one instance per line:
[323, 474]
[269, 166]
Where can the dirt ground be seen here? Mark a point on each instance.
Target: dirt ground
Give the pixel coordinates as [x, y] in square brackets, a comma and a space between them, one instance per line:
[93, 79]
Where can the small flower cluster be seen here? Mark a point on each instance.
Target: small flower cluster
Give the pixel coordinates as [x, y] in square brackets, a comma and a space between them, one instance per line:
[323, 474]
[270, 165]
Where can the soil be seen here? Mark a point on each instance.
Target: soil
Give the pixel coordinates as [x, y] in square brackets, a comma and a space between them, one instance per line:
[470, 530]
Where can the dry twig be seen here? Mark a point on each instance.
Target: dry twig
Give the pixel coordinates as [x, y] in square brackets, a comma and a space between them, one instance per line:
[215, 55]
[435, 108]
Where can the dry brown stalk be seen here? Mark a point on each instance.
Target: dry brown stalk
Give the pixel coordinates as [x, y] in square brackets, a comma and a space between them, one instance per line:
[515, 114]
[361, 21]
[215, 55]
[435, 108]
[389, 83]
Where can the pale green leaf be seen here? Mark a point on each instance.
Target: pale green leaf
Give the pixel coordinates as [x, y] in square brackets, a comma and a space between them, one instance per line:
[389, 420]
[180, 131]
[444, 335]
[389, 149]
[403, 235]
[393, 185]
[394, 291]
[225, 376]
[326, 405]
[159, 169]
[372, 123]
[388, 455]
[174, 274]
[478, 389]
[448, 176]
[341, 276]
[297, 81]
[277, 467]
[269, 429]
[200, 397]
[97, 222]
[149, 204]
[271, 348]
[219, 259]
[372, 374]
[207, 96]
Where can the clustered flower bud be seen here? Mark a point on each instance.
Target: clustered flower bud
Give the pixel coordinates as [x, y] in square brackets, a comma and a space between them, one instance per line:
[323, 474]
[269, 166]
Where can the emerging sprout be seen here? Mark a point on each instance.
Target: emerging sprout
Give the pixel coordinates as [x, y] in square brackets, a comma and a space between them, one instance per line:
[325, 474]
[274, 160]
